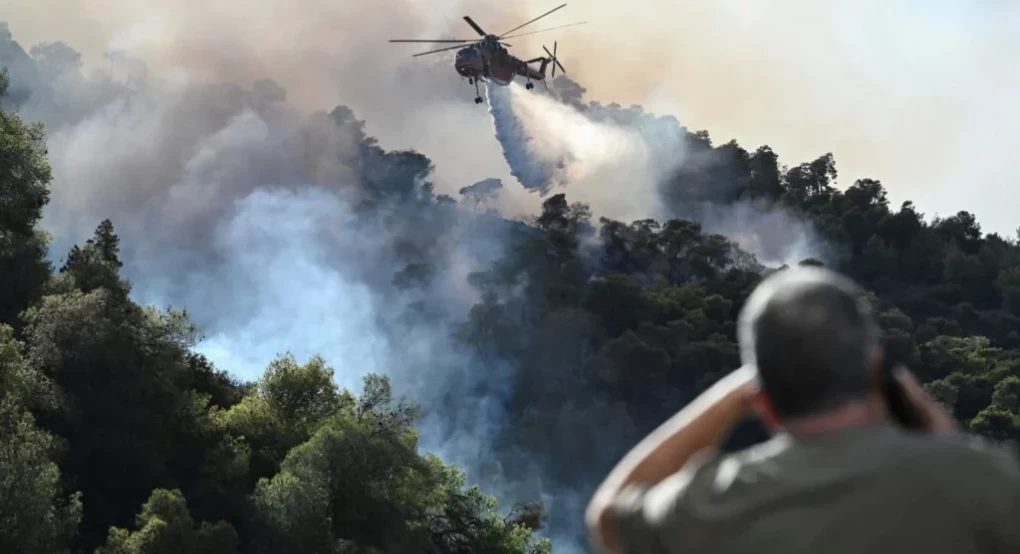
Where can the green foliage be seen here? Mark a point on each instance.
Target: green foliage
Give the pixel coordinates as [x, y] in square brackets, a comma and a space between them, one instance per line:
[96, 265]
[165, 526]
[399, 501]
[282, 411]
[35, 517]
[116, 366]
[19, 380]
[24, 176]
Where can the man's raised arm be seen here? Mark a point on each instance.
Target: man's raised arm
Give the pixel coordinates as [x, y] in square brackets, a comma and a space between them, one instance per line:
[704, 423]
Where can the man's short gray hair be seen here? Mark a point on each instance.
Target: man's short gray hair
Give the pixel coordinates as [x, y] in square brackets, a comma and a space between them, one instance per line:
[810, 333]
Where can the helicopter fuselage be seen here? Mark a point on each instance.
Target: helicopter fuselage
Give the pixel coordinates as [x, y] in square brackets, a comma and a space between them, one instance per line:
[489, 61]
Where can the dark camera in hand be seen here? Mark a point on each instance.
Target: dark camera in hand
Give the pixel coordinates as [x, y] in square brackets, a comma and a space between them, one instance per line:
[899, 406]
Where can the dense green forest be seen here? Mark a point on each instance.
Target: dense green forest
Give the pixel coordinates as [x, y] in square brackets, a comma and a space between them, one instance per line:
[116, 437]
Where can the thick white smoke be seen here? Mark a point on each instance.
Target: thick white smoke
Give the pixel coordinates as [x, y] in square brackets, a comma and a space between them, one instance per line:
[305, 302]
[775, 236]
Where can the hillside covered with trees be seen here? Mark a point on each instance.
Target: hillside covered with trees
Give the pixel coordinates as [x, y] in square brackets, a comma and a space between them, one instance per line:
[117, 438]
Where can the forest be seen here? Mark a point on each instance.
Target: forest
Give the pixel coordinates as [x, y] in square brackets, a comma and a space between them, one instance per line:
[116, 437]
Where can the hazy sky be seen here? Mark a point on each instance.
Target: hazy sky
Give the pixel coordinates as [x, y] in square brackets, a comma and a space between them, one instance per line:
[919, 94]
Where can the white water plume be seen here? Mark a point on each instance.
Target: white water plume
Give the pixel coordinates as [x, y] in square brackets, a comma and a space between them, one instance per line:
[616, 166]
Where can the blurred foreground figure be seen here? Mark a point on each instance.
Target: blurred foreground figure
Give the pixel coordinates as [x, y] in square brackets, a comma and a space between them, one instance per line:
[840, 475]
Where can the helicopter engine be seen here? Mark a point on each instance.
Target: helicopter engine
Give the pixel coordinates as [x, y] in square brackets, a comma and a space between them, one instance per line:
[468, 62]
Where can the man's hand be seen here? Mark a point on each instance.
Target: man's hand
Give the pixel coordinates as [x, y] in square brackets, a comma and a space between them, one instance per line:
[934, 418]
[746, 387]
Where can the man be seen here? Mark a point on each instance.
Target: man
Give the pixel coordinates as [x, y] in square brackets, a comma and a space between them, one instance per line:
[838, 476]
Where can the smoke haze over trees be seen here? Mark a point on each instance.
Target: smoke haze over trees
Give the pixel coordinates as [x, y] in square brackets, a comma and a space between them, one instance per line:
[426, 332]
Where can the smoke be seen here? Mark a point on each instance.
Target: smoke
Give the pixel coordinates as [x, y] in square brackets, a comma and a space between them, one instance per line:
[304, 302]
[278, 229]
[624, 163]
[774, 235]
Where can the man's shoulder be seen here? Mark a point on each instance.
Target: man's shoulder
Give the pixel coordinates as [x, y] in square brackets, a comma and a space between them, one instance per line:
[963, 451]
[911, 455]
[655, 503]
[966, 470]
[980, 478]
[963, 462]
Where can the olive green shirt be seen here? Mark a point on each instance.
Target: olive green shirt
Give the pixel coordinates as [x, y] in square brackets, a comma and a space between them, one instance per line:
[865, 490]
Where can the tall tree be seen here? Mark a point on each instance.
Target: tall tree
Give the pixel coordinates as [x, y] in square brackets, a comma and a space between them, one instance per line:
[24, 179]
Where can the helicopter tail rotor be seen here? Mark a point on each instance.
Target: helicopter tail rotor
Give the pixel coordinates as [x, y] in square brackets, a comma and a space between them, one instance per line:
[554, 60]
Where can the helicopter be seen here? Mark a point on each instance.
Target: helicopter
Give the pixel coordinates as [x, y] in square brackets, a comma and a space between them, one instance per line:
[487, 59]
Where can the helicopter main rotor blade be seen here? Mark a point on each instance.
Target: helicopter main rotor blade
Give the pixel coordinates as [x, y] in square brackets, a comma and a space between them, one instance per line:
[544, 30]
[532, 21]
[437, 40]
[439, 50]
[474, 25]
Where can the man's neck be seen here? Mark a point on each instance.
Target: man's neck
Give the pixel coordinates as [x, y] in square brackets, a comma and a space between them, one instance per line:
[857, 414]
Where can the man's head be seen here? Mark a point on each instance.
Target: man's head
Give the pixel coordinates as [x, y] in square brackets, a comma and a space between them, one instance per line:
[811, 335]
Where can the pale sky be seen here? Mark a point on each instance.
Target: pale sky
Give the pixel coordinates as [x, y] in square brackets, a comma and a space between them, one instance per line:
[920, 94]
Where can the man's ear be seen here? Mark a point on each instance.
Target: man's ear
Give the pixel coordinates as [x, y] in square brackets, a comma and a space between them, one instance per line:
[766, 411]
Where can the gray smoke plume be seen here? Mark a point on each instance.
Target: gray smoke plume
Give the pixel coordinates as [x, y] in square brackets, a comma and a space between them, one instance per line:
[278, 230]
[775, 236]
[623, 161]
